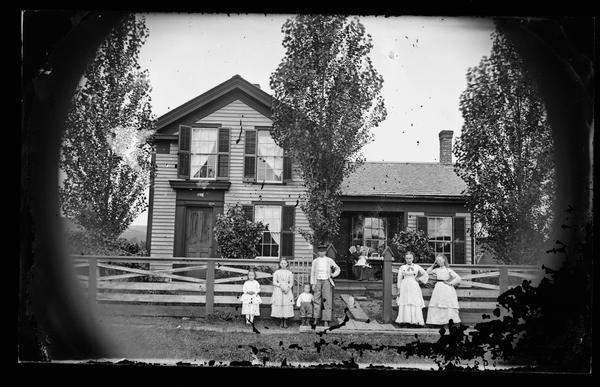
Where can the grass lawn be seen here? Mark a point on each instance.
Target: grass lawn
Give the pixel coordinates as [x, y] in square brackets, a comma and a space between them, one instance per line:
[164, 338]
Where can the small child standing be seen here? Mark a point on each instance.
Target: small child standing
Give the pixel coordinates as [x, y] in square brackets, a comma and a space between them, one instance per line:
[250, 299]
[304, 302]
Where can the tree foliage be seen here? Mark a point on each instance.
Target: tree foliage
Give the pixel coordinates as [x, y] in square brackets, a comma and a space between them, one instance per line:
[105, 154]
[505, 155]
[415, 241]
[236, 235]
[327, 98]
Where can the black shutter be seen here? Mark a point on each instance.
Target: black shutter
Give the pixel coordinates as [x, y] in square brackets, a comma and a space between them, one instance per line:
[250, 155]
[249, 211]
[183, 155]
[287, 167]
[459, 246]
[223, 157]
[288, 213]
[422, 224]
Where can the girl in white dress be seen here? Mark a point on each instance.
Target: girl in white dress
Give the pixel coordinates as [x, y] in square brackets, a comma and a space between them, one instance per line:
[282, 300]
[250, 299]
[443, 305]
[410, 297]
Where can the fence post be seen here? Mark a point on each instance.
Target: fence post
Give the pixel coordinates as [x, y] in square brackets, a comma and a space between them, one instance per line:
[210, 287]
[503, 279]
[92, 280]
[387, 285]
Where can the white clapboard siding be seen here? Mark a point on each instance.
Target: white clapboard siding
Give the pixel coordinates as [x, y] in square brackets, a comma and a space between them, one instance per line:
[245, 193]
[163, 211]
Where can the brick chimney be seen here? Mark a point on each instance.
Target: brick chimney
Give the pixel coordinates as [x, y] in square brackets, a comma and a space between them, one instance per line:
[446, 147]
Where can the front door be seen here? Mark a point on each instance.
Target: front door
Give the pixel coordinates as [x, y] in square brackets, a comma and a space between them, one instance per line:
[199, 223]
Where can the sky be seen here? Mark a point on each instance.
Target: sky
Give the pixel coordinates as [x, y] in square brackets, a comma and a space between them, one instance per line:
[423, 62]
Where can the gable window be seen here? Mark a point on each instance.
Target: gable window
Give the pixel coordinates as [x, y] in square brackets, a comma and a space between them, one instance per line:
[203, 153]
[264, 160]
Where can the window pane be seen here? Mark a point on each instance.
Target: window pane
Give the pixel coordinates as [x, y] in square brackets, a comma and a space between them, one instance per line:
[204, 140]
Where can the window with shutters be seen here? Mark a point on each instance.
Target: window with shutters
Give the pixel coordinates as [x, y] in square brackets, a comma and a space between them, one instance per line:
[264, 160]
[209, 153]
[439, 230]
[269, 159]
[270, 243]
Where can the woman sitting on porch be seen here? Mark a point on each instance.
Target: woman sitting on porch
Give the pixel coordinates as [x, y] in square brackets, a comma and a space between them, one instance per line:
[361, 269]
[443, 305]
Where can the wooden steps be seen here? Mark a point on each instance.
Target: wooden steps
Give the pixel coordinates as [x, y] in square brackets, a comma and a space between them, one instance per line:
[356, 311]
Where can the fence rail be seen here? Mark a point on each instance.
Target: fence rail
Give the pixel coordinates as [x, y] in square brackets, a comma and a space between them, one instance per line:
[178, 281]
[193, 284]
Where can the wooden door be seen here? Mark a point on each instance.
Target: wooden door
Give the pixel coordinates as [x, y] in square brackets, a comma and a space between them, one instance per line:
[199, 223]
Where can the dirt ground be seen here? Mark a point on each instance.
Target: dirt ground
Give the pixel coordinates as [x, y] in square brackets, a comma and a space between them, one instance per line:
[177, 338]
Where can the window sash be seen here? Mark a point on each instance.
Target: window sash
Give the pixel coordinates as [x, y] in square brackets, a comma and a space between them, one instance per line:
[208, 159]
[369, 231]
[269, 158]
[440, 236]
[270, 243]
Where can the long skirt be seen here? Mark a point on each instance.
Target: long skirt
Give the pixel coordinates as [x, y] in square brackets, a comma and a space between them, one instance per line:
[282, 304]
[443, 305]
[410, 302]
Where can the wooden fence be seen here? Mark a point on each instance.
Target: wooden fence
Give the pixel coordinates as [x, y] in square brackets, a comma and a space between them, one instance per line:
[148, 285]
[477, 291]
[193, 286]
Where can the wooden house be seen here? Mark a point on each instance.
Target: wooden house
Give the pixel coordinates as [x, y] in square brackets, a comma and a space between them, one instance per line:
[216, 150]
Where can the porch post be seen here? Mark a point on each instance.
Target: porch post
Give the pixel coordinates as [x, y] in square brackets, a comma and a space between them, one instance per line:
[387, 285]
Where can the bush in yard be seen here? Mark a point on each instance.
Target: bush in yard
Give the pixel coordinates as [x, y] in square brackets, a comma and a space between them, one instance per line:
[415, 241]
[236, 235]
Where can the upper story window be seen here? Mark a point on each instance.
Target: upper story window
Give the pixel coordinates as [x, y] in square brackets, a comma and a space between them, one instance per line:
[203, 153]
[269, 166]
[264, 160]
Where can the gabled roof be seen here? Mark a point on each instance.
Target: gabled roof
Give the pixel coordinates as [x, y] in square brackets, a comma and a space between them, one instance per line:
[234, 83]
[403, 179]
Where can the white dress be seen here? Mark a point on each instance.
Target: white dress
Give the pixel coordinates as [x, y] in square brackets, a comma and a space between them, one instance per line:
[251, 302]
[410, 298]
[282, 299]
[443, 304]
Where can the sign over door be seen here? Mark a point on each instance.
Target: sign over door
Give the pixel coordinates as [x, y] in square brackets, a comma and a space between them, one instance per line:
[199, 225]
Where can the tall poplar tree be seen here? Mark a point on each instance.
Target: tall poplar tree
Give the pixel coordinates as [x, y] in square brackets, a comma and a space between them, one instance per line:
[105, 154]
[505, 155]
[327, 98]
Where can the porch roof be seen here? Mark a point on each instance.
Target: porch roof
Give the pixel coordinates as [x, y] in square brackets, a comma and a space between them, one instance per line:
[403, 179]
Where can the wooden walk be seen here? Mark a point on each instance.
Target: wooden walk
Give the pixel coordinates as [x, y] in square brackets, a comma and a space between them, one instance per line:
[354, 308]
